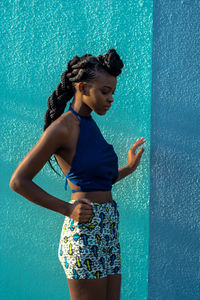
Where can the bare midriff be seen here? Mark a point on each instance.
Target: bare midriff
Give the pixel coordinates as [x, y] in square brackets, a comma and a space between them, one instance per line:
[94, 196]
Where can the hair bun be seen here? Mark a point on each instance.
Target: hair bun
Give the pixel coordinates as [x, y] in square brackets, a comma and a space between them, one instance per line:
[72, 62]
[111, 62]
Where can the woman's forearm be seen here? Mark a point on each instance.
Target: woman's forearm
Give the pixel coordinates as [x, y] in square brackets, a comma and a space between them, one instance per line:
[37, 195]
[123, 172]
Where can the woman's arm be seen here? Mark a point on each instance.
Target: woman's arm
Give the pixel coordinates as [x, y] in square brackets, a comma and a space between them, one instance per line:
[21, 180]
[123, 172]
[133, 159]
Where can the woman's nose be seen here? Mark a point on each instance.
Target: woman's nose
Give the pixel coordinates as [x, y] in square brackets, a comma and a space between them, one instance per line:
[111, 98]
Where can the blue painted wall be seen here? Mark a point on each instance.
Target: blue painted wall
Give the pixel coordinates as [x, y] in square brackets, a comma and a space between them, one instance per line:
[174, 231]
[38, 39]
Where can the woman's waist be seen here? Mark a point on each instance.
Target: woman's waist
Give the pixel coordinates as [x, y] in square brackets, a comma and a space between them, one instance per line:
[94, 196]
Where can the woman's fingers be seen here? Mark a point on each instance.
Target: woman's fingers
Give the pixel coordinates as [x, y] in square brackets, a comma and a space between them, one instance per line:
[85, 214]
[84, 210]
[139, 154]
[86, 201]
[138, 143]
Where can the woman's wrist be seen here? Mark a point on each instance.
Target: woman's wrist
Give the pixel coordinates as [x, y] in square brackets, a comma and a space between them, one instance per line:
[123, 172]
[65, 209]
[129, 169]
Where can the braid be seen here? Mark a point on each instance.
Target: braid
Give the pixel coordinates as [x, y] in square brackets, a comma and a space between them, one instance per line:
[111, 62]
[79, 69]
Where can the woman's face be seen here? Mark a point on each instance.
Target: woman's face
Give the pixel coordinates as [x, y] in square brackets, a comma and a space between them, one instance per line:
[100, 93]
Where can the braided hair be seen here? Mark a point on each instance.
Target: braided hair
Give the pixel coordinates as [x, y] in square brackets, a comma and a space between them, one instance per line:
[79, 69]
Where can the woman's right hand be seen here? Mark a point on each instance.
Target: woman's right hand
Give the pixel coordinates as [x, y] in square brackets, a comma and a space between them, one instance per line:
[81, 210]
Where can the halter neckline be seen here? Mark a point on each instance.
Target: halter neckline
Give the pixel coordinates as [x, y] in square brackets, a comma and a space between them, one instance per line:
[77, 114]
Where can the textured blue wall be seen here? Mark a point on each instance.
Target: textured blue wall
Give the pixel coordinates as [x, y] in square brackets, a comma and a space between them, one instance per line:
[174, 269]
[38, 39]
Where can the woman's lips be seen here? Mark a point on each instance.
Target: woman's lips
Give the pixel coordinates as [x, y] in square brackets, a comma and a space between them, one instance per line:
[107, 107]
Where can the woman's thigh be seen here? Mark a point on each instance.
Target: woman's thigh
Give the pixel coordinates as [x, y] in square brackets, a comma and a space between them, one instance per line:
[107, 288]
[113, 287]
[88, 289]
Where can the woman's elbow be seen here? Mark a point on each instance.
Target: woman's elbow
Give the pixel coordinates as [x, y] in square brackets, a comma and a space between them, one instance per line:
[15, 184]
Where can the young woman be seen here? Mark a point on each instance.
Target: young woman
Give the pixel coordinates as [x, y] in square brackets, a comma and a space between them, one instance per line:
[89, 248]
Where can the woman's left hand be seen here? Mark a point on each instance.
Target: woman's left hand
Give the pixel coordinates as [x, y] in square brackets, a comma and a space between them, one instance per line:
[134, 158]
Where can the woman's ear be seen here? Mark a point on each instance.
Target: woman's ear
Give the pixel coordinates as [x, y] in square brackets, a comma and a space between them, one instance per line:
[84, 87]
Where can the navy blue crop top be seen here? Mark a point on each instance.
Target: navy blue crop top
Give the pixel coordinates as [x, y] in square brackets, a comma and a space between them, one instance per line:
[95, 163]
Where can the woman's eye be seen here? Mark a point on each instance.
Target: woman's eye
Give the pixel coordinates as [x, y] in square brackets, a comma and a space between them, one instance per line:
[104, 93]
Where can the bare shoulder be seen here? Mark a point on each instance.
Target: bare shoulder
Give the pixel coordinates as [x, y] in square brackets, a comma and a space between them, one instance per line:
[68, 126]
[64, 125]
